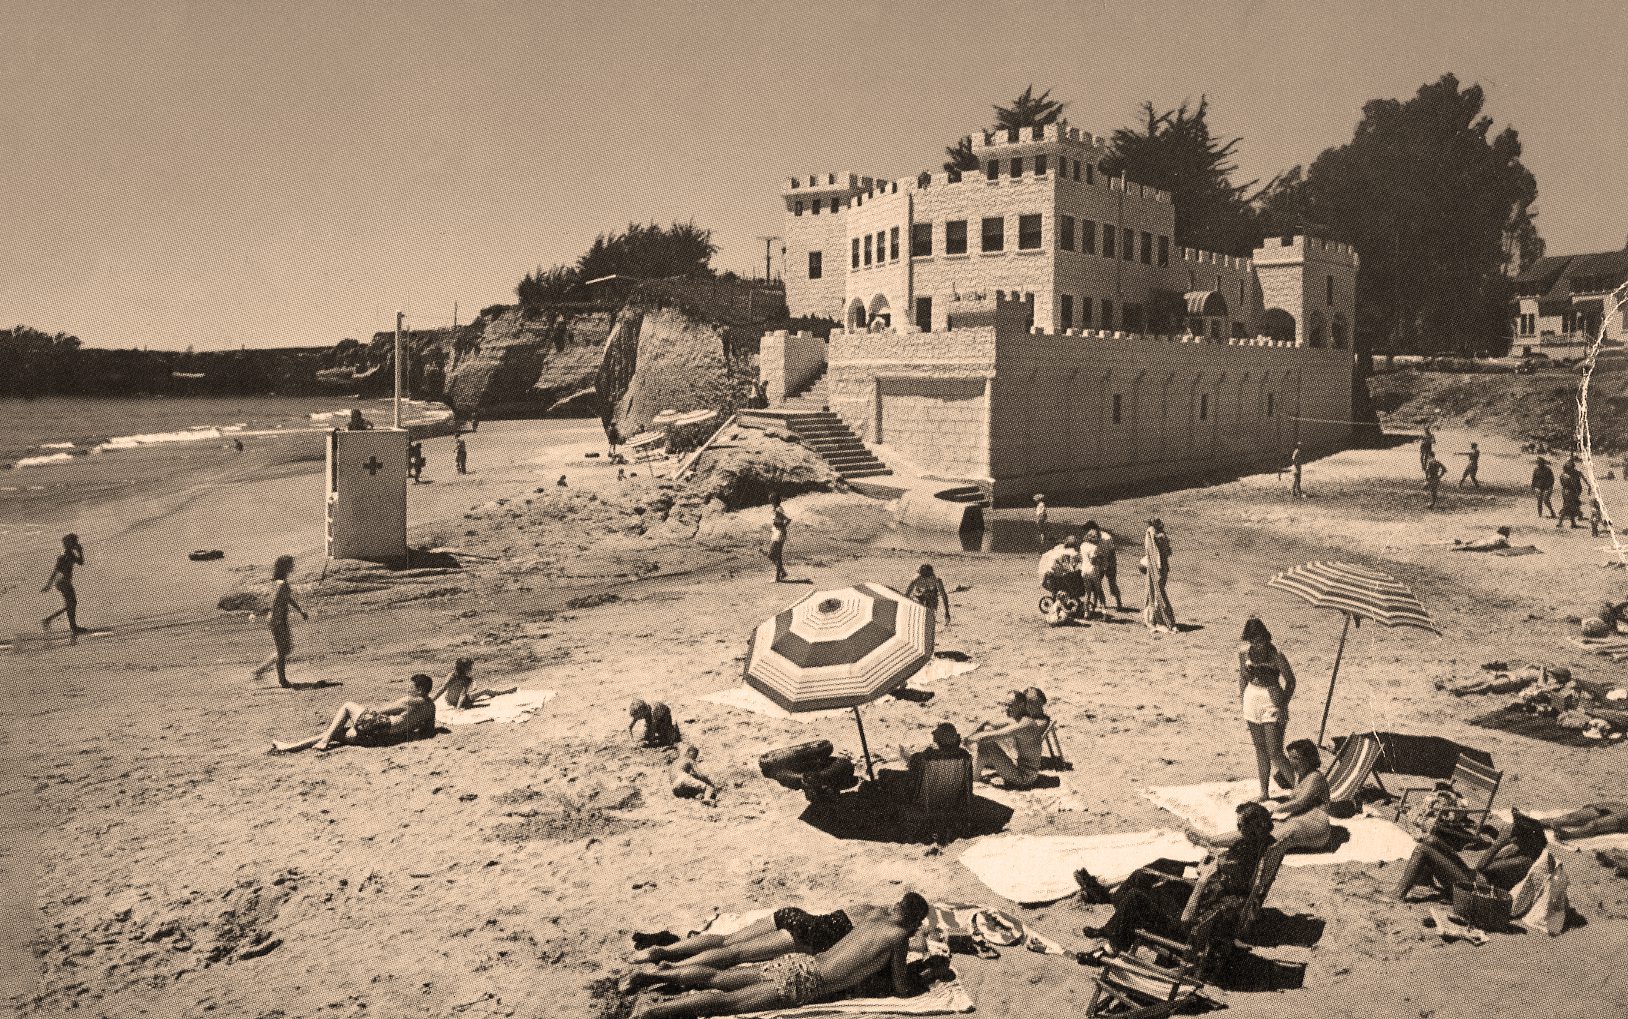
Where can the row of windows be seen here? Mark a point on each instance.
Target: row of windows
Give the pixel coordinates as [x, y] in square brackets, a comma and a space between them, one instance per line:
[1070, 231]
[1203, 407]
[1067, 168]
[816, 206]
[883, 246]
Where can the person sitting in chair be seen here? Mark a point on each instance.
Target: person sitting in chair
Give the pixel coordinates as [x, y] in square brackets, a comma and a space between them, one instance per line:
[1161, 903]
[946, 746]
[1028, 735]
[1503, 865]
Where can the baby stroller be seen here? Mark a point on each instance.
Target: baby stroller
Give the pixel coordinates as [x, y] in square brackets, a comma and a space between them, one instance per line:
[1064, 599]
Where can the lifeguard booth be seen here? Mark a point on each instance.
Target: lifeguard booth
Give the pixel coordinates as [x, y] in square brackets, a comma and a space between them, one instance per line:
[367, 494]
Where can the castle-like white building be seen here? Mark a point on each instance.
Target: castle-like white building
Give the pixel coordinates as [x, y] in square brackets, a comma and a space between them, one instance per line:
[1032, 325]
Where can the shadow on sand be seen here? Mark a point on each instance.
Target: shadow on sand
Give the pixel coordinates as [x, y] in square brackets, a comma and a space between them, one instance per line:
[872, 813]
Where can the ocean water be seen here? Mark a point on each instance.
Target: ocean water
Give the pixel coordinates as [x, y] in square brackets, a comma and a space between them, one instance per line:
[56, 429]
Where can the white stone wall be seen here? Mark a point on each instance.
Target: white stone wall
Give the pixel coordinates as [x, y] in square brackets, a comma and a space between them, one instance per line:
[788, 361]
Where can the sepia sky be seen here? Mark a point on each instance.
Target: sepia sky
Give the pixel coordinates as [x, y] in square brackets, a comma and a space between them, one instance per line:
[271, 173]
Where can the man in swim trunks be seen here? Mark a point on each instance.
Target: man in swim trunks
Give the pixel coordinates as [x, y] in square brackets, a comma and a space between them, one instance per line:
[1593, 819]
[798, 978]
[73, 554]
[412, 717]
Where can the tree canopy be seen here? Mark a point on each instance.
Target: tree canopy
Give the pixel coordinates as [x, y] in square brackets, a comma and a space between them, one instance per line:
[641, 251]
[1175, 151]
[1029, 110]
[1437, 206]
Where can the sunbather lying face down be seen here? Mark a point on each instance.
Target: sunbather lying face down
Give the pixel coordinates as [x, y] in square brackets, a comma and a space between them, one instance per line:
[1594, 819]
[798, 978]
[788, 929]
[412, 717]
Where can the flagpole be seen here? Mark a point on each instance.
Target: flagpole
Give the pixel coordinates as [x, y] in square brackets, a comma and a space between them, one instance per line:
[1338, 654]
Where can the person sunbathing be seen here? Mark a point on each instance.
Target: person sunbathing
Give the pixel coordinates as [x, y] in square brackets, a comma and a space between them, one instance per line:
[788, 929]
[1028, 735]
[1588, 821]
[458, 692]
[412, 717]
[798, 978]
[688, 781]
[1503, 865]
[1499, 539]
[1155, 900]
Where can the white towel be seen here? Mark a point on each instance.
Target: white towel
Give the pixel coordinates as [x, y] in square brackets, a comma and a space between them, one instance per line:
[1040, 868]
[509, 707]
[940, 999]
[747, 698]
[1212, 808]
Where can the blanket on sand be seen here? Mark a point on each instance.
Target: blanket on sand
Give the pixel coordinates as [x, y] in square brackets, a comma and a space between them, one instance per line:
[1212, 808]
[1040, 868]
[1064, 797]
[509, 707]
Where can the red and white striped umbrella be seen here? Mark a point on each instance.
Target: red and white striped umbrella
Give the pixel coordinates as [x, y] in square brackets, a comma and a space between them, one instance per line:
[840, 649]
[1358, 593]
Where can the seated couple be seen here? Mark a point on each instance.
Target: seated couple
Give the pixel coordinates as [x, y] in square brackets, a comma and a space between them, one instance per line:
[412, 717]
[1502, 865]
[808, 958]
[1026, 727]
[1158, 900]
[1301, 821]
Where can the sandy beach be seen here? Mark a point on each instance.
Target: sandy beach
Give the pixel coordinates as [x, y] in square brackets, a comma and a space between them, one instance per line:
[159, 863]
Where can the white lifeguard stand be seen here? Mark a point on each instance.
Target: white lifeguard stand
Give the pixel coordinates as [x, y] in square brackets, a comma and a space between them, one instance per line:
[367, 494]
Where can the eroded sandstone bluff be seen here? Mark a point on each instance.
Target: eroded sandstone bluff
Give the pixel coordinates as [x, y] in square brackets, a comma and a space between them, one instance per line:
[677, 344]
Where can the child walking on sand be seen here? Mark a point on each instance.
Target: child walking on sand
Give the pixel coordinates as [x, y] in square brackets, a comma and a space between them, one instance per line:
[282, 636]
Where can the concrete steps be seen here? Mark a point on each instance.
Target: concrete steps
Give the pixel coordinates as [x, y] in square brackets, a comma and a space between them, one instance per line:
[823, 433]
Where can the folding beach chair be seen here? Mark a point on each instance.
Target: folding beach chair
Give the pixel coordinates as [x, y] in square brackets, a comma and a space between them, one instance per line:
[940, 802]
[1355, 763]
[1053, 745]
[1477, 784]
[1128, 988]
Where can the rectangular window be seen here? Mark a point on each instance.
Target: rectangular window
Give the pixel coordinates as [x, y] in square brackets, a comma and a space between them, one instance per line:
[994, 235]
[1331, 291]
[921, 239]
[1164, 251]
[1119, 408]
[1066, 238]
[868, 242]
[1271, 404]
[1128, 251]
[1088, 236]
[992, 169]
[1029, 228]
[1076, 174]
[955, 237]
[856, 252]
[1107, 314]
[1204, 406]
[1147, 248]
[1085, 312]
[1016, 168]
[1068, 311]
[816, 264]
[1132, 316]
[797, 208]
[1108, 235]
[924, 314]
[836, 205]
[893, 244]
[1090, 173]
[1039, 166]
[817, 205]
[881, 246]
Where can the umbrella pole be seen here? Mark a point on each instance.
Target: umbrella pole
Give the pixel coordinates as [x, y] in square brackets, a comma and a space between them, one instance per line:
[864, 748]
[1339, 652]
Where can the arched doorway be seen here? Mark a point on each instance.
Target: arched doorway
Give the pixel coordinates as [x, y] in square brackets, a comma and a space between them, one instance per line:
[856, 315]
[1278, 324]
[1317, 330]
[1206, 313]
[881, 315]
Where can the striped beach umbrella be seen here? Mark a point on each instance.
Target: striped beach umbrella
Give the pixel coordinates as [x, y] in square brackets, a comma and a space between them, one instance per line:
[1357, 593]
[840, 649]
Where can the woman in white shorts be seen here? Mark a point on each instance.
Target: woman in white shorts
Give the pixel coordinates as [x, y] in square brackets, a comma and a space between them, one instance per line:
[1265, 687]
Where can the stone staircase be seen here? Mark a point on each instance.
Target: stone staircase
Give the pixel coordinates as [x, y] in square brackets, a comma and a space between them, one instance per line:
[807, 417]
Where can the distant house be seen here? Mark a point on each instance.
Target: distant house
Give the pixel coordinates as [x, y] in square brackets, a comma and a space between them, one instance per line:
[1560, 303]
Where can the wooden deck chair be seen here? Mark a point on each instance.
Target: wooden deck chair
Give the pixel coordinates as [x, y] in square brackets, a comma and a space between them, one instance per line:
[1131, 989]
[1353, 766]
[1053, 746]
[941, 797]
[1477, 784]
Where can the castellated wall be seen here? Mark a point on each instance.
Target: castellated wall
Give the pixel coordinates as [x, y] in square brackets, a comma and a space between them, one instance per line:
[788, 362]
[1085, 411]
[1294, 276]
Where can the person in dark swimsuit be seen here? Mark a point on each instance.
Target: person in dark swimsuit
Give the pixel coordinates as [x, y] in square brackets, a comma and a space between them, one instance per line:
[788, 929]
[73, 554]
[1503, 865]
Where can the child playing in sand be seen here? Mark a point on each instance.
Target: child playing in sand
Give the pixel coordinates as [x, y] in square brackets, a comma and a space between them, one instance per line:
[659, 728]
[458, 690]
[688, 781]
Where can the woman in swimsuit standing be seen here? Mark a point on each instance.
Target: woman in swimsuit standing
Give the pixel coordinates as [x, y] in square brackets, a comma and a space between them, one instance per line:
[1265, 687]
[73, 554]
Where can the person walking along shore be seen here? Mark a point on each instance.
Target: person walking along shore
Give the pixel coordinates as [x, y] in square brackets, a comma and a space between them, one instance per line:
[282, 636]
[1157, 612]
[73, 554]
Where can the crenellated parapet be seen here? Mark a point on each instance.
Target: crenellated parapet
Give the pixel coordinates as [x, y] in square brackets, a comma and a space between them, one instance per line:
[1305, 248]
[819, 185]
[1087, 145]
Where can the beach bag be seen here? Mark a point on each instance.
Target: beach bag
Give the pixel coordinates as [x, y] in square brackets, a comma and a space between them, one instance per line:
[1481, 905]
[1539, 901]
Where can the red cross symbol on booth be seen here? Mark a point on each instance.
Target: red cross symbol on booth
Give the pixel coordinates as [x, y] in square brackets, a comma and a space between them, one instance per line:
[373, 466]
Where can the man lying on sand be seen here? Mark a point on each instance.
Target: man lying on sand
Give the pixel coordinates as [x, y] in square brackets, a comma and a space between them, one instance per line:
[788, 929]
[412, 717]
[1593, 819]
[798, 978]
[1499, 539]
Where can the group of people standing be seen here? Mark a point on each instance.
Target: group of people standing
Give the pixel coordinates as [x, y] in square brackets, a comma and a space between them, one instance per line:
[1086, 567]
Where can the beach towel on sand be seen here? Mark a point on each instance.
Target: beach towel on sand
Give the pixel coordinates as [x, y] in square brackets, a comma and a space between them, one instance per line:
[1212, 808]
[1040, 868]
[509, 707]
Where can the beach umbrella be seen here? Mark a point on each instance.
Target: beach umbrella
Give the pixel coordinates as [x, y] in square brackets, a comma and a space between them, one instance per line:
[1358, 593]
[840, 649]
[665, 418]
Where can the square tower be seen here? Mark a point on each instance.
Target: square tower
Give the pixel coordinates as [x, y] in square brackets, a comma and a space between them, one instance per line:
[1308, 290]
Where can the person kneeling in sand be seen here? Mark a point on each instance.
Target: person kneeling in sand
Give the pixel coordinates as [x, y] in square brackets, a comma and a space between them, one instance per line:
[459, 692]
[796, 979]
[688, 781]
[412, 717]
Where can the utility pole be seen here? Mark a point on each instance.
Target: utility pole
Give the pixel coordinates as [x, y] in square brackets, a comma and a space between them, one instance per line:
[455, 315]
[397, 405]
[768, 256]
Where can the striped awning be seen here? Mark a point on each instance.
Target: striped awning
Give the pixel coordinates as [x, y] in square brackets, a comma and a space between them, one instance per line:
[839, 649]
[1205, 302]
[1357, 591]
